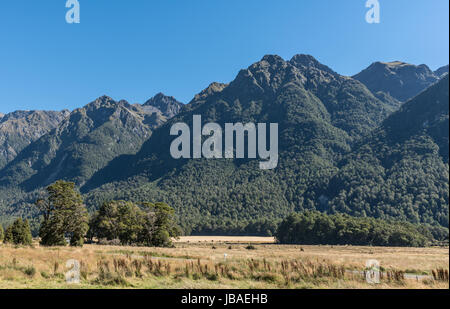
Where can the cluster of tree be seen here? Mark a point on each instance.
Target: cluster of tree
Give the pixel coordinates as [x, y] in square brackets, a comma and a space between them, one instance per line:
[65, 216]
[18, 233]
[313, 228]
[146, 224]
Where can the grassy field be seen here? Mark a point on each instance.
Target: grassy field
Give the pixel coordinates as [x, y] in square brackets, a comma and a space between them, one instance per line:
[223, 262]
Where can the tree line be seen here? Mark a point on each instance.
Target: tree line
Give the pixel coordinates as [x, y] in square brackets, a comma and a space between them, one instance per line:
[66, 219]
[316, 228]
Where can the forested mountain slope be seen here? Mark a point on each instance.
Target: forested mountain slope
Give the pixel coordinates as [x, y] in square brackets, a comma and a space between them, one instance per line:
[401, 171]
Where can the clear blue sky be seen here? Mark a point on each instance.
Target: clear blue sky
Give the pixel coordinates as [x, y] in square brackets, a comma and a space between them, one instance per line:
[134, 49]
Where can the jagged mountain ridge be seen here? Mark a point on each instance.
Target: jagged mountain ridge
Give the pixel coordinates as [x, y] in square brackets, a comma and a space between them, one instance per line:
[263, 81]
[84, 142]
[20, 128]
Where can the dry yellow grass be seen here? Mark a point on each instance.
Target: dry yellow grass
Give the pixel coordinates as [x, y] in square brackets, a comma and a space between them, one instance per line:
[217, 263]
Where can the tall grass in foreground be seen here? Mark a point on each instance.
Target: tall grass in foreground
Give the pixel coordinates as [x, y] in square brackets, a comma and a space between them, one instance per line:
[201, 266]
[440, 274]
[284, 273]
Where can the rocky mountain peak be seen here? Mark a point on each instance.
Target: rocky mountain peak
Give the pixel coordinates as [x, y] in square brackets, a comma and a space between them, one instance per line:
[272, 59]
[302, 62]
[103, 102]
[210, 90]
[167, 105]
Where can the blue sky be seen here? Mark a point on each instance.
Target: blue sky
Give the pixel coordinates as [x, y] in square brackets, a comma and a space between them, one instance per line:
[133, 49]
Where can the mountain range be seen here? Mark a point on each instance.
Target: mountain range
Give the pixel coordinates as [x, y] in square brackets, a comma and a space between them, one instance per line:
[86, 140]
[375, 144]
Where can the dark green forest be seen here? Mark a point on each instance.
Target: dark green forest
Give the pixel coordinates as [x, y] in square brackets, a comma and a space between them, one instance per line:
[315, 228]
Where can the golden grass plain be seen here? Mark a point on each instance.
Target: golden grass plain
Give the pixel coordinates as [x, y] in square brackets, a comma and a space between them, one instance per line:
[220, 262]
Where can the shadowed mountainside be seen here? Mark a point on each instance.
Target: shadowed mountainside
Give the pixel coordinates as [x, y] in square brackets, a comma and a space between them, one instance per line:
[402, 81]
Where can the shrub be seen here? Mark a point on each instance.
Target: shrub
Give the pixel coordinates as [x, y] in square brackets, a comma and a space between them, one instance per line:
[212, 277]
[267, 277]
[45, 275]
[196, 276]
[29, 271]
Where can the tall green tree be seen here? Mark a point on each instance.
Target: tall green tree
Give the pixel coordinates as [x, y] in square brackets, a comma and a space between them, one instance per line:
[8, 239]
[26, 238]
[19, 233]
[64, 215]
[161, 217]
